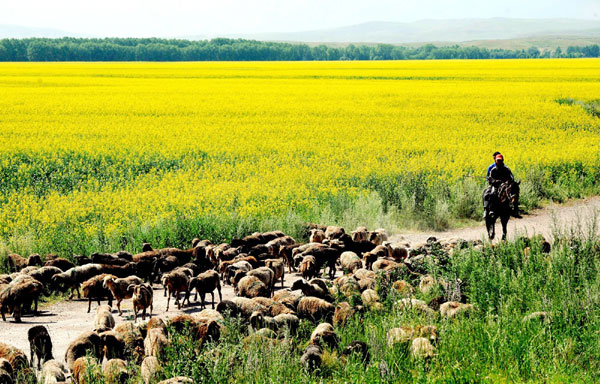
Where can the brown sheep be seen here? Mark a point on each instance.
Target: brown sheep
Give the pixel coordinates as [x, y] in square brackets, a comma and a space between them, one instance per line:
[421, 348]
[155, 342]
[315, 288]
[308, 267]
[115, 371]
[316, 236]
[204, 283]
[324, 335]
[75, 276]
[93, 289]
[274, 308]
[104, 319]
[343, 312]
[242, 306]
[251, 286]
[374, 255]
[275, 245]
[264, 274]
[133, 339]
[315, 309]
[278, 268]
[87, 342]
[16, 262]
[177, 380]
[142, 296]
[287, 298]
[61, 263]
[119, 288]
[44, 275]
[40, 344]
[333, 232]
[371, 300]
[312, 357]
[18, 295]
[6, 372]
[176, 282]
[452, 309]
[378, 236]
[15, 357]
[360, 234]
[85, 370]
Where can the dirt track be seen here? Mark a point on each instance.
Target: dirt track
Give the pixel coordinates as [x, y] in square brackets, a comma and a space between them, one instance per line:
[66, 320]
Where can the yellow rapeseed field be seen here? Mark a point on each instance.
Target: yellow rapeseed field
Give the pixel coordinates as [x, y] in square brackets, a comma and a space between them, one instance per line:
[101, 154]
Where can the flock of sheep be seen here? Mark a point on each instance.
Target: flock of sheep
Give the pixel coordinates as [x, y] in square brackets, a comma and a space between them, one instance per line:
[253, 265]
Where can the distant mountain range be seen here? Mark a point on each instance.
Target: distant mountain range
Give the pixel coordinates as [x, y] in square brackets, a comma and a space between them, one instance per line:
[500, 32]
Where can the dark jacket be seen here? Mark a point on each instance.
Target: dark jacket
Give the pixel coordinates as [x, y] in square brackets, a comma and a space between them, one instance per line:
[499, 174]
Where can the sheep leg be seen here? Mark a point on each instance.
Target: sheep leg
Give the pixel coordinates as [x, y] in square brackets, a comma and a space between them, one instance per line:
[168, 300]
[90, 304]
[119, 307]
[78, 293]
[150, 315]
[202, 297]
[35, 309]
[282, 280]
[135, 314]
[144, 314]
[220, 296]
[177, 300]
[17, 313]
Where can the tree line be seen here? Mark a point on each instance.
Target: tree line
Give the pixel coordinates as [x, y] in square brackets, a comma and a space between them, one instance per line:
[221, 49]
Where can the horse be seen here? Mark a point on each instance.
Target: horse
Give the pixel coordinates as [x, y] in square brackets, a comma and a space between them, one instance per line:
[501, 206]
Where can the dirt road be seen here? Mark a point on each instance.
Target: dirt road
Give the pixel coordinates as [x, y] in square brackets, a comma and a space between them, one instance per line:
[66, 320]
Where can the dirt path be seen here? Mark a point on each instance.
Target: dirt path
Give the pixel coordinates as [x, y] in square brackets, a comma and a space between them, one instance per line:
[66, 320]
[575, 214]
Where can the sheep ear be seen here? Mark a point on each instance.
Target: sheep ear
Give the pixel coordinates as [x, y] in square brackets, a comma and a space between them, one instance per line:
[130, 288]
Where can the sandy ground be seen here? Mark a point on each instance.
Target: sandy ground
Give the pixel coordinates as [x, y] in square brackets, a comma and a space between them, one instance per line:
[66, 320]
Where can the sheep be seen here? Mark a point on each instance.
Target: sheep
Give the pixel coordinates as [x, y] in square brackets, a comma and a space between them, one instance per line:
[287, 298]
[177, 380]
[264, 274]
[325, 257]
[147, 247]
[333, 232]
[288, 252]
[358, 347]
[312, 357]
[108, 259]
[314, 309]
[316, 236]
[121, 271]
[15, 357]
[119, 288]
[176, 282]
[104, 319]
[44, 275]
[382, 264]
[133, 339]
[370, 299]
[115, 371]
[85, 370]
[278, 268]
[324, 334]
[142, 296]
[113, 345]
[241, 306]
[28, 270]
[81, 260]
[87, 342]
[374, 255]
[6, 372]
[275, 245]
[397, 252]
[16, 262]
[61, 263]
[54, 372]
[274, 308]
[452, 309]
[150, 369]
[229, 268]
[308, 267]
[403, 287]
[204, 283]
[201, 329]
[155, 342]
[407, 304]
[399, 335]
[427, 284]
[360, 234]
[421, 348]
[378, 236]
[347, 285]
[75, 276]
[350, 262]
[343, 312]
[316, 288]
[93, 289]
[251, 286]
[40, 344]
[18, 295]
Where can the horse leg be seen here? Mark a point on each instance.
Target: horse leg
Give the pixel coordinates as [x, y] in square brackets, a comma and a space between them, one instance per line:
[490, 223]
[504, 219]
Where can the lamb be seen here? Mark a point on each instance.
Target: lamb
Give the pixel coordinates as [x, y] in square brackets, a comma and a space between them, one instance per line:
[87, 342]
[61, 263]
[104, 319]
[316, 236]
[350, 262]
[308, 267]
[119, 288]
[18, 295]
[205, 283]
[251, 286]
[421, 348]
[287, 320]
[54, 372]
[278, 268]
[314, 309]
[324, 334]
[75, 276]
[93, 288]
[142, 296]
[115, 371]
[176, 282]
[347, 285]
[15, 357]
[371, 257]
[40, 344]
[113, 345]
[316, 288]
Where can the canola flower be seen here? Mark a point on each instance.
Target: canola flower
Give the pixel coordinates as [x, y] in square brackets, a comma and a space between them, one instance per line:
[91, 151]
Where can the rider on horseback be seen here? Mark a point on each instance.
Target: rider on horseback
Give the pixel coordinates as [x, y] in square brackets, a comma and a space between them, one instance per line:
[497, 174]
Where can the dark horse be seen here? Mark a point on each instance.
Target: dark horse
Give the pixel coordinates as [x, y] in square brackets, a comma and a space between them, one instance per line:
[501, 206]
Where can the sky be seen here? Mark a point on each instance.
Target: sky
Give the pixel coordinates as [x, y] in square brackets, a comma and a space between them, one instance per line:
[173, 18]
